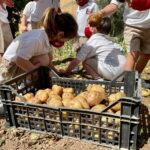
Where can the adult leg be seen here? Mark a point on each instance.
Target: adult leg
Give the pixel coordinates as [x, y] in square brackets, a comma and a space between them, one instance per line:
[131, 60]
[8, 37]
[1, 42]
[142, 61]
[132, 38]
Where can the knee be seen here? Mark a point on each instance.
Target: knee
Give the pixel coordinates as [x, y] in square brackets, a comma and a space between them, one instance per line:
[42, 59]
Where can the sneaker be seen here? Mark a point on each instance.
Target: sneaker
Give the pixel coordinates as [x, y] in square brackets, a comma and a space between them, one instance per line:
[145, 84]
[22, 85]
[100, 79]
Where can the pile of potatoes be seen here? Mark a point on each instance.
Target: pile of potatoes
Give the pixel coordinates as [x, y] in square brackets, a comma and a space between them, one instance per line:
[94, 98]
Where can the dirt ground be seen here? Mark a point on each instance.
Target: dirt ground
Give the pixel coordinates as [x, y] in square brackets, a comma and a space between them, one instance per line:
[14, 139]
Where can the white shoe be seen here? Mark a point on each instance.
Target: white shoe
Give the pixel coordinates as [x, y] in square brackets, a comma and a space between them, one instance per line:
[22, 85]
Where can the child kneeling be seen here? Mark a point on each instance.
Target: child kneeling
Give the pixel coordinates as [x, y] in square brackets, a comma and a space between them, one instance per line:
[34, 48]
[100, 57]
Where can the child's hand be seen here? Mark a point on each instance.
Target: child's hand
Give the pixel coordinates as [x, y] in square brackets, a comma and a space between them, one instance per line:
[22, 28]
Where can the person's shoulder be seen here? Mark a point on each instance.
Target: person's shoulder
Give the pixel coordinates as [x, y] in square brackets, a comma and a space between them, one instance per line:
[38, 32]
[116, 2]
[30, 3]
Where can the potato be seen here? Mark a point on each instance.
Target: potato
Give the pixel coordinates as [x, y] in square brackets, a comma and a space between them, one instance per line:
[57, 89]
[54, 103]
[66, 102]
[110, 111]
[117, 121]
[67, 96]
[98, 88]
[68, 90]
[51, 96]
[83, 94]
[116, 96]
[42, 95]
[98, 108]
[95, 87]
[28, 96]
[94, 98]
[75, 104]
[117, 107]
[48, 90]
[34, 100]
[112, 134]
[113, 97]
[17, 99]
[83, 102]
[145, 92]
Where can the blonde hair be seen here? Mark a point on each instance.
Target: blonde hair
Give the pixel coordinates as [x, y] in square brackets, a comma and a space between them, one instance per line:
[54, 21]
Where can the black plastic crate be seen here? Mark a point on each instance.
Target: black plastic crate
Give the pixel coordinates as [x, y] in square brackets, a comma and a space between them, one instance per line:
[99, 127]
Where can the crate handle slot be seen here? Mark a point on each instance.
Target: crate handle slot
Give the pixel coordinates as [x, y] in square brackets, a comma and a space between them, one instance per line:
[119, 101]
[13, 91]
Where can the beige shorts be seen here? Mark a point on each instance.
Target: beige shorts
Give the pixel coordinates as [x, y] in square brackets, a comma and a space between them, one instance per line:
[5, 36]
[137, 39]
[8, 70]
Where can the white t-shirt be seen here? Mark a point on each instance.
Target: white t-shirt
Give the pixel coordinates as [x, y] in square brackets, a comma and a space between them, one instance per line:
[29, 9]
[83, 14]
[27, 45]
[135, 18]
[3, 14]
[104, 51]
[41, 6]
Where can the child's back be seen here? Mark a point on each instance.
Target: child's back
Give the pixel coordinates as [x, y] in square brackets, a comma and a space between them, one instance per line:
[100, 57]
[104, 52]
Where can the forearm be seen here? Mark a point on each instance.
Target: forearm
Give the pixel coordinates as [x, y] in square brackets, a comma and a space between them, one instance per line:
[25, 65]
[24, 20]
[72, 65]
[109, 10]
[23, 23]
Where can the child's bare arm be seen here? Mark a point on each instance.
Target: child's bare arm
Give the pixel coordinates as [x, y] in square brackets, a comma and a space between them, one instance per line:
[108, 10]
[72, 65]
[26, 65]
[23, 24]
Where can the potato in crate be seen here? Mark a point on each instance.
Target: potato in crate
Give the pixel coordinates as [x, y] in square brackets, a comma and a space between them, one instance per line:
[103, 112]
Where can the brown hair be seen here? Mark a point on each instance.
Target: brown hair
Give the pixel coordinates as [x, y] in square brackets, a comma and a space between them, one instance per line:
[54, 21]
[104, 25]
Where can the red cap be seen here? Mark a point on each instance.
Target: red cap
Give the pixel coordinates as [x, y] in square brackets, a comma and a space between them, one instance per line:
[140, 4]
